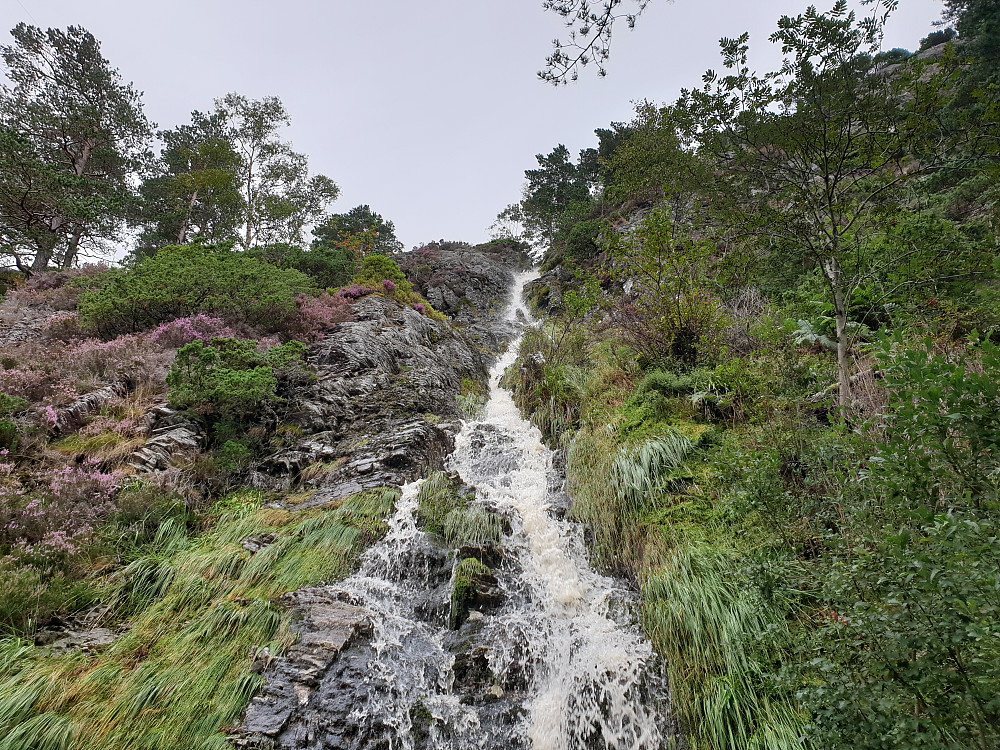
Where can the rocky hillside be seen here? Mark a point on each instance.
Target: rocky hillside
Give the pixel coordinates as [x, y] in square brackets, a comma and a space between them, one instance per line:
[179, 468]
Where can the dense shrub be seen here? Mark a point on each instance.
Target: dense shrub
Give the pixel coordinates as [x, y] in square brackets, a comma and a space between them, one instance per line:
[317, 315]
[378, 268]
[47, 525]
[582, 240]
[181, 281]
[198, 327]
[908, 652]
[61, 290]
[329, 267]
[671, 312]
[230, 378]
[379, 272]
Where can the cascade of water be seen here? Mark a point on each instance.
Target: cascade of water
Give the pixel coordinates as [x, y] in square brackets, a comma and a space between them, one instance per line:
[569, 671]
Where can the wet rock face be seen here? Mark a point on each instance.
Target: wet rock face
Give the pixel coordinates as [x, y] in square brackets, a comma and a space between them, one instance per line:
[322, 667]
[383, 410]
[470, 285]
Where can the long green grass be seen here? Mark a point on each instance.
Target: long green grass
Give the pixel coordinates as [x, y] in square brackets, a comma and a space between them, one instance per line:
[714, 635]
[199, 609]
[652, 467]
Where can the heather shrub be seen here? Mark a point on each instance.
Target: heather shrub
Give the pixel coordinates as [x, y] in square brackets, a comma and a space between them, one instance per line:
[60, 290]
[50, 525]
[36, 383]
[63, 326]
[200, 327]
[354, 292]
[316, 315]
[231, 378]
[181, 281]
[125, 356]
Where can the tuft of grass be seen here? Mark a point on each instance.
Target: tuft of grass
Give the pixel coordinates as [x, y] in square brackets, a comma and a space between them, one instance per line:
[652, 467]
[472, 527]
[201, 607]
[439, 495]
[110, 448]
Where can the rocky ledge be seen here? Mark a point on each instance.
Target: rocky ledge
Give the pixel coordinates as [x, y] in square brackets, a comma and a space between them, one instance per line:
[386, 404]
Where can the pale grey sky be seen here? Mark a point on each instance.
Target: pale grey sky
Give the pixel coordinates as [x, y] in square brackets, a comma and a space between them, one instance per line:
[428, 111]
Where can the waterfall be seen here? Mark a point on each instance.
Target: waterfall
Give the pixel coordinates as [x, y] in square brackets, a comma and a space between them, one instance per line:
[567, 667]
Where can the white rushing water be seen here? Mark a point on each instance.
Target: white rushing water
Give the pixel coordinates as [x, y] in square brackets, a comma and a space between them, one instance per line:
[575, 673]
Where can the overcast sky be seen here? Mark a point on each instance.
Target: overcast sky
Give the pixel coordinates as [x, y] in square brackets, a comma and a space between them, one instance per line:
[428, 111]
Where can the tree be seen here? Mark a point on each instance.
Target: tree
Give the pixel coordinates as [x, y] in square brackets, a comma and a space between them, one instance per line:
[594, 164]
[360, 220]
[195, 191]
[76, 135]
[812, 160]
[280, 197]
[552, 190]
[978, 22]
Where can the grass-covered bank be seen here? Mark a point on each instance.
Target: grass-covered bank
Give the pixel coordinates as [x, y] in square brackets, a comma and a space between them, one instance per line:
[198, 608]
[810, 583]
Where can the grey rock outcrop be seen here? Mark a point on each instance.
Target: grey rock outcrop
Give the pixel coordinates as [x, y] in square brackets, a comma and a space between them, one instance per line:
[325, 627]
[171, 436]
[471, 285]
[383, 410]
[74, 415]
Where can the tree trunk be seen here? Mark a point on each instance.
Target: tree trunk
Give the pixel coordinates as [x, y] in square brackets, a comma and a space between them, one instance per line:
[840, 316]
[74, 246]
[182, 234]
[20, 265]
[46, 246]
[41, 261]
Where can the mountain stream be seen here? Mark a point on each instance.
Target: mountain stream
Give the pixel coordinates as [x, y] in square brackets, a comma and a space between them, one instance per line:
[557, 664]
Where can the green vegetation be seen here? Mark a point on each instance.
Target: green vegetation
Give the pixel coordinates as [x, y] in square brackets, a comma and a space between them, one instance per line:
[200, 608]
[183, 280]
[230, 378]
[440, 495]
[781, 409]
[468, 575]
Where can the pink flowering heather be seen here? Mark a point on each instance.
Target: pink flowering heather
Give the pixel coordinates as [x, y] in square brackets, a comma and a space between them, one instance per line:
[319, 314]
[421, 308]
[121, 356]
[47, 527]
[200, 327]
[102, 425]
[387, 286]
[63, 326]
[354, 292]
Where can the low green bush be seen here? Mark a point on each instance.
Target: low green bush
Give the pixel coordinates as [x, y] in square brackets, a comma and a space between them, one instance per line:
[8, 435]
[184, 280]
[230, 378]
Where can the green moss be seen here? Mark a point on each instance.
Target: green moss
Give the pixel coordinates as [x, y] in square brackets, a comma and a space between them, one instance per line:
[468, 575]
